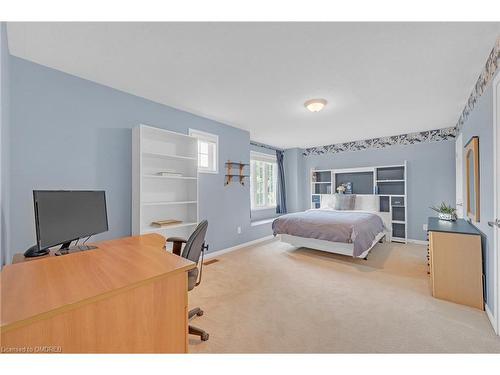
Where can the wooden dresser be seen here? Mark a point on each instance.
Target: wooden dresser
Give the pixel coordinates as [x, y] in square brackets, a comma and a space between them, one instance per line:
[455, 262]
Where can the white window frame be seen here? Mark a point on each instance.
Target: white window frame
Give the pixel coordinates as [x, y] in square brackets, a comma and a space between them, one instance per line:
[259, 156]
[207, 137]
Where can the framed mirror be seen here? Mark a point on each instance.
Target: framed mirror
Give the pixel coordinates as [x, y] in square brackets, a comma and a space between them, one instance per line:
[472, 178]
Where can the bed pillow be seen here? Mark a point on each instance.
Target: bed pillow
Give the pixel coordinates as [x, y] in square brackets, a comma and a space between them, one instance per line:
[328, 201]
[346, 201]
[368, 202]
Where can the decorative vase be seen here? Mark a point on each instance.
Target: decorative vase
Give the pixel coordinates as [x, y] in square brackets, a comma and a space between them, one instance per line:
[448, 217]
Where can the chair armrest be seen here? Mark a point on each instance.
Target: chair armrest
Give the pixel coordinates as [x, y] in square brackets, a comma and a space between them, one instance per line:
[176, 239]
[177, 247]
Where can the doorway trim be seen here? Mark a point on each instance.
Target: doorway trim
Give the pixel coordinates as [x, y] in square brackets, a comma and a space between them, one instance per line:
[495, 318]
[459, 181]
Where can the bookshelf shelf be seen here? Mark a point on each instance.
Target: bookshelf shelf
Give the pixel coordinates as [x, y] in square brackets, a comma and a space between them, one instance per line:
[161, 230]
[164, 197]
[167, 156]
[167, 203]
[170, 177]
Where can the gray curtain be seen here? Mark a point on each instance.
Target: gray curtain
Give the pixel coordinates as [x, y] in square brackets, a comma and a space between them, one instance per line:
[280, 191]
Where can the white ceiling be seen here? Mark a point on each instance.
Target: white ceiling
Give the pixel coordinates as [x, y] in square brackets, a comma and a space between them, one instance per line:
[379, 78]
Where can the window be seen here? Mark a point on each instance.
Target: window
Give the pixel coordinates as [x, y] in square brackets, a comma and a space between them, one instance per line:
[263, 174]
[208, 151]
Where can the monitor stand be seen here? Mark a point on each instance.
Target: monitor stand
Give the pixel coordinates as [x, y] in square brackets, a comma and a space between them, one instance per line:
[66, 248]
[34, 251]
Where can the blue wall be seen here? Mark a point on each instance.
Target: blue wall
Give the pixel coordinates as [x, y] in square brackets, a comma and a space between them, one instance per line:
[70, 133]
[430, 175]
[4, 143]
[480, 123]
[295, 175]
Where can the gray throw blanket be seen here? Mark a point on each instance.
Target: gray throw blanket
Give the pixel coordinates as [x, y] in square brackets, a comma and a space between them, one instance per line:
[357, 227]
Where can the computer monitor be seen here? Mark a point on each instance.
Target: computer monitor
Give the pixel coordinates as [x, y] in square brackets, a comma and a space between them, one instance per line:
[65, 216]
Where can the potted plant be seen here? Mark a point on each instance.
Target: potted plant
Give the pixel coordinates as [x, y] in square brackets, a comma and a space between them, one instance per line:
[341, 189]
[445, 212]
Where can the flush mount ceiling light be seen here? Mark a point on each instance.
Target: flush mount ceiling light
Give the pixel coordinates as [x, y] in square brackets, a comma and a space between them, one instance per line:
[315, 105]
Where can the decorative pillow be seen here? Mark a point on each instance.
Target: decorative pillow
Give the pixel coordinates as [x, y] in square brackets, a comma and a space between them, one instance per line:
[346, 201]
[328, 201]
[336, 201]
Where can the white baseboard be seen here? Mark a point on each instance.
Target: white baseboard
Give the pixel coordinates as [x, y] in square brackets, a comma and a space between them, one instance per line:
[240, 246]
[492, 318]
[417, 242]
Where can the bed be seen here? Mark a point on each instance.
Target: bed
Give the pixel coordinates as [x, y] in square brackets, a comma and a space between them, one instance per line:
[353, 232]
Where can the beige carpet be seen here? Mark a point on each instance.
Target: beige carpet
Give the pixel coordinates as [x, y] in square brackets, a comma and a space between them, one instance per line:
[274, 298]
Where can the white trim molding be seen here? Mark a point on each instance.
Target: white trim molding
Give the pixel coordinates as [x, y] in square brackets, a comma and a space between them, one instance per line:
[262, 156]
[495, 319]
[491, 317]
[417, 242]
[237, 247]
[207, 138]
[259, 157]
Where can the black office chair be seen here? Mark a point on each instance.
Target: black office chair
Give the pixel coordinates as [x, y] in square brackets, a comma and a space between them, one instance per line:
[194, 248]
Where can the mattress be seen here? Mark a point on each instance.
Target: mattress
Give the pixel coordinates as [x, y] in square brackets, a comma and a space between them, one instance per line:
[357, 227]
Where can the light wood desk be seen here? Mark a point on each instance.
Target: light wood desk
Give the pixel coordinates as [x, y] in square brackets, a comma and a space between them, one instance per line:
[127, 296]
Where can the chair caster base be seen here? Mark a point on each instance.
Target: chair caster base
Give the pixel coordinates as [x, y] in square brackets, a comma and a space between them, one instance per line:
[196, 311]
[199, 332]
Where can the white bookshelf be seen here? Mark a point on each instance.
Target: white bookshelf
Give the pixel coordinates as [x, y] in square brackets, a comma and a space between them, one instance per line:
[396, 198]
[391, 189]
[156, 197]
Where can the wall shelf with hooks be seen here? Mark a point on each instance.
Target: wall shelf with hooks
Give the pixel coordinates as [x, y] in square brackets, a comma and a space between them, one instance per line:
[235, 171]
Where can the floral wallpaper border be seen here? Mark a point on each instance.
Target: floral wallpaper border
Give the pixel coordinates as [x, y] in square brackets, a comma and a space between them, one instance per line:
[485, 77]
[382, 142]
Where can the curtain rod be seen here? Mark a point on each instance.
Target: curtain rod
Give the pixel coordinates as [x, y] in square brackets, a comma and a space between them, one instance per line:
[253, 143]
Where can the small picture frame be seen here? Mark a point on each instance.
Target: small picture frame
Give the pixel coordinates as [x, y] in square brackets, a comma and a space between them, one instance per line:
[348, 188]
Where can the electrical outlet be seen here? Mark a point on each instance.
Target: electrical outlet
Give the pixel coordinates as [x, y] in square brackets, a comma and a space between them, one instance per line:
[424, 227]
[239, 230]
